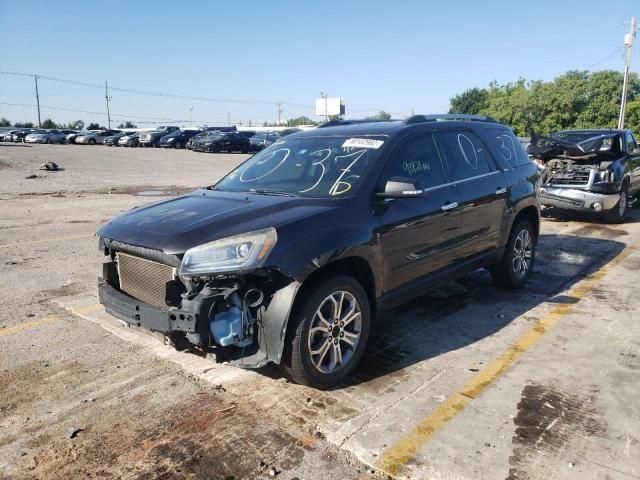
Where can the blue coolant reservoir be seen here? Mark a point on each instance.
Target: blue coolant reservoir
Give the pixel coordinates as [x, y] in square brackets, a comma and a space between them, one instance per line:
[226, 328]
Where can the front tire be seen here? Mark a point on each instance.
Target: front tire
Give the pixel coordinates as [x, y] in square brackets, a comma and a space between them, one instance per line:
[519, 257]
[327, 334]
[617, 214]
[92, 141]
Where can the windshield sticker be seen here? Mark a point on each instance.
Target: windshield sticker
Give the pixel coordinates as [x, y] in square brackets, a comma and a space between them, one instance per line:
[362, 143]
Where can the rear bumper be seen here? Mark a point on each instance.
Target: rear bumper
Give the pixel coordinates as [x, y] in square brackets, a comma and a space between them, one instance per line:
[573, 199]
[140, 314]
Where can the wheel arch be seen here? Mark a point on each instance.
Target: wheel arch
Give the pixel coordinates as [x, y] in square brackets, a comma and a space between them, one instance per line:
[354, 266]
[530, 213]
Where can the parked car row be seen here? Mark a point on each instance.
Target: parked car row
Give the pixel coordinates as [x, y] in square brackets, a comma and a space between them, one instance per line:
[215, 139]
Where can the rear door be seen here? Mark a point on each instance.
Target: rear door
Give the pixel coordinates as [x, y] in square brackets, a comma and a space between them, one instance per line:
[481, 187]
[418, 235]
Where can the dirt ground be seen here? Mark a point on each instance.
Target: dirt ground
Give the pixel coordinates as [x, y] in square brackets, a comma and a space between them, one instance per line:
[83, 397]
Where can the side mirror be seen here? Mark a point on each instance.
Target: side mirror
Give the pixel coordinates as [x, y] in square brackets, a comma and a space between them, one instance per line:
[636, 152]
[401, 187]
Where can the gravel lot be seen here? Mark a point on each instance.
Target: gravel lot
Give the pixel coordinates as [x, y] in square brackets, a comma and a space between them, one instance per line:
[81, 396]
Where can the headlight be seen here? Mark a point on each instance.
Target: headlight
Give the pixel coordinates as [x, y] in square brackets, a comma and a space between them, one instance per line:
[208, 143]
[170, 139]
[240, 252]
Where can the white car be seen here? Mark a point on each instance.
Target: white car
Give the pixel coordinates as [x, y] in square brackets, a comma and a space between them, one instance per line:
[94, 137]
[45, 136]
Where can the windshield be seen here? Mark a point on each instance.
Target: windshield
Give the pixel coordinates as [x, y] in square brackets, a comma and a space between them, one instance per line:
[321, 167]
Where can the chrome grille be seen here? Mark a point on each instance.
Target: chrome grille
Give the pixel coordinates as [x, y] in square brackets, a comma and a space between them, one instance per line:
[572, 176]
[144, 279]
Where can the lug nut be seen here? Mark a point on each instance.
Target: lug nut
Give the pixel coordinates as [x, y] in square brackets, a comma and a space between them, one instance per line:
[342, 334]
[335, 342]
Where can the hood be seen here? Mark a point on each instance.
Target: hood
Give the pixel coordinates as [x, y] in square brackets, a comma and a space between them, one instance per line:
[177, 224]
[591, 149]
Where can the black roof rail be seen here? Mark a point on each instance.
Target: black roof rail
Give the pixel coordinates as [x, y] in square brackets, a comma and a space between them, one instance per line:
[450, 116]
[337, 123]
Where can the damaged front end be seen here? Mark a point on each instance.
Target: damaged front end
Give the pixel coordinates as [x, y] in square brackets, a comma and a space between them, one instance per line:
[579, 173]
[241, 315]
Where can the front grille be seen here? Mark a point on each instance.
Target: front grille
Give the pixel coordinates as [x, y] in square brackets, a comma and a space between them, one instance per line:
[144, 279]
[573, 176]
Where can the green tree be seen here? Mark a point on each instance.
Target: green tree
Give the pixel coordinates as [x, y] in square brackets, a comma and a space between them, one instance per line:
[77, 125]
[127, 124]
[471, 101]
[23, 124]
[381, 115]
[4, 122]
[294, 122]
[48, 123]
[93, 126]
[576, 99]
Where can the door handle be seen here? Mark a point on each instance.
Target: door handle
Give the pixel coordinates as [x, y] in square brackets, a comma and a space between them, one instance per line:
[449, 206]
[501, 191]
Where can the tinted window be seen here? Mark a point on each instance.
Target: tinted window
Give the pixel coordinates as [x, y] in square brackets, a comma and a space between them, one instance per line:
[417, 158]
[507, 146]
[465, 154]
[631, 143]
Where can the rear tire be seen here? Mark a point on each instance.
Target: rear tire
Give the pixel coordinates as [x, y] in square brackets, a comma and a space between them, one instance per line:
[617, 213]
[327, 333]
[519, 257]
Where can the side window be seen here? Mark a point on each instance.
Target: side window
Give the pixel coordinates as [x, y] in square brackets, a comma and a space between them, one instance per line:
[631, 142]
[465, 154]
[505, 144]
[418, 158]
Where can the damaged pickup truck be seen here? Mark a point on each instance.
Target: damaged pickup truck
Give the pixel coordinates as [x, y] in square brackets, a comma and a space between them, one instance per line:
[290, 257]
[589, 170]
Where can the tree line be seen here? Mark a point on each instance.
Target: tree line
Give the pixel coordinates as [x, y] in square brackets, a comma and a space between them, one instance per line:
[576, 99]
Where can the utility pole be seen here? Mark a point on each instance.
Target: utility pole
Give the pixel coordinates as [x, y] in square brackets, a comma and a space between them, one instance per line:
[628, 44]
[190, 115]
[229, 117]
[107, 98]
[35, 77]
[326, 108]
[279, 105]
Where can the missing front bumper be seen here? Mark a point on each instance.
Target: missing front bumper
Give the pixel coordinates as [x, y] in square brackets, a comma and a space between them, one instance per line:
[140, 314]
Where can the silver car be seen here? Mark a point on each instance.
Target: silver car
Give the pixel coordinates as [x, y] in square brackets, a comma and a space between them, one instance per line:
[45, 136]
[94, 137]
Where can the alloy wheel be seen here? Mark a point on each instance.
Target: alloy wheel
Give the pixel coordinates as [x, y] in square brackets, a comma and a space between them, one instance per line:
[522, 253]
[335, 332]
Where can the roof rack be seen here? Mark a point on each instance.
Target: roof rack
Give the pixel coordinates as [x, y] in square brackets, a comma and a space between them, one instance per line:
[336, 123]
[450, 116]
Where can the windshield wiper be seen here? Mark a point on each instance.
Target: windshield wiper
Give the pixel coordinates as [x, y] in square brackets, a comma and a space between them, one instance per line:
[271, 192]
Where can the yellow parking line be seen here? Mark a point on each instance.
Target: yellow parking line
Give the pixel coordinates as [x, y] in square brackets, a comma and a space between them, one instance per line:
[48, 319]
[27, 325]
[402, 451]
[45, 240]
[88, 309]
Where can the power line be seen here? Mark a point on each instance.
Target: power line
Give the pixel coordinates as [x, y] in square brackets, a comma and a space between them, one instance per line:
[114, 115]
[155, 94]
[616, 51]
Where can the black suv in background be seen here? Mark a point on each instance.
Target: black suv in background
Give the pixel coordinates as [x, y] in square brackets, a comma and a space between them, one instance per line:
[178, 138]
[218, 141]
[291, 256]
[262, 140]
[152, 139]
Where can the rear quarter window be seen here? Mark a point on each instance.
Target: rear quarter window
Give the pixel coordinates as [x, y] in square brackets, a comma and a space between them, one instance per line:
[505, 146]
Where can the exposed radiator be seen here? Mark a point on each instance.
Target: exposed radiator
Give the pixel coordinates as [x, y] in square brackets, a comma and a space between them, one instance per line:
[143, 279]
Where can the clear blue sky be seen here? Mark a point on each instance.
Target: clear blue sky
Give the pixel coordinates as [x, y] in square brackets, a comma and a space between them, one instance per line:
[391, 55]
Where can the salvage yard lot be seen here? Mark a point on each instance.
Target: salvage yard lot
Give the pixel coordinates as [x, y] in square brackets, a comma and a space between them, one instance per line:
[469, 381]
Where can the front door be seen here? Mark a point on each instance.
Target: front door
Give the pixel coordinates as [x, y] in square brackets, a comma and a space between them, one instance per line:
[418, 235]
